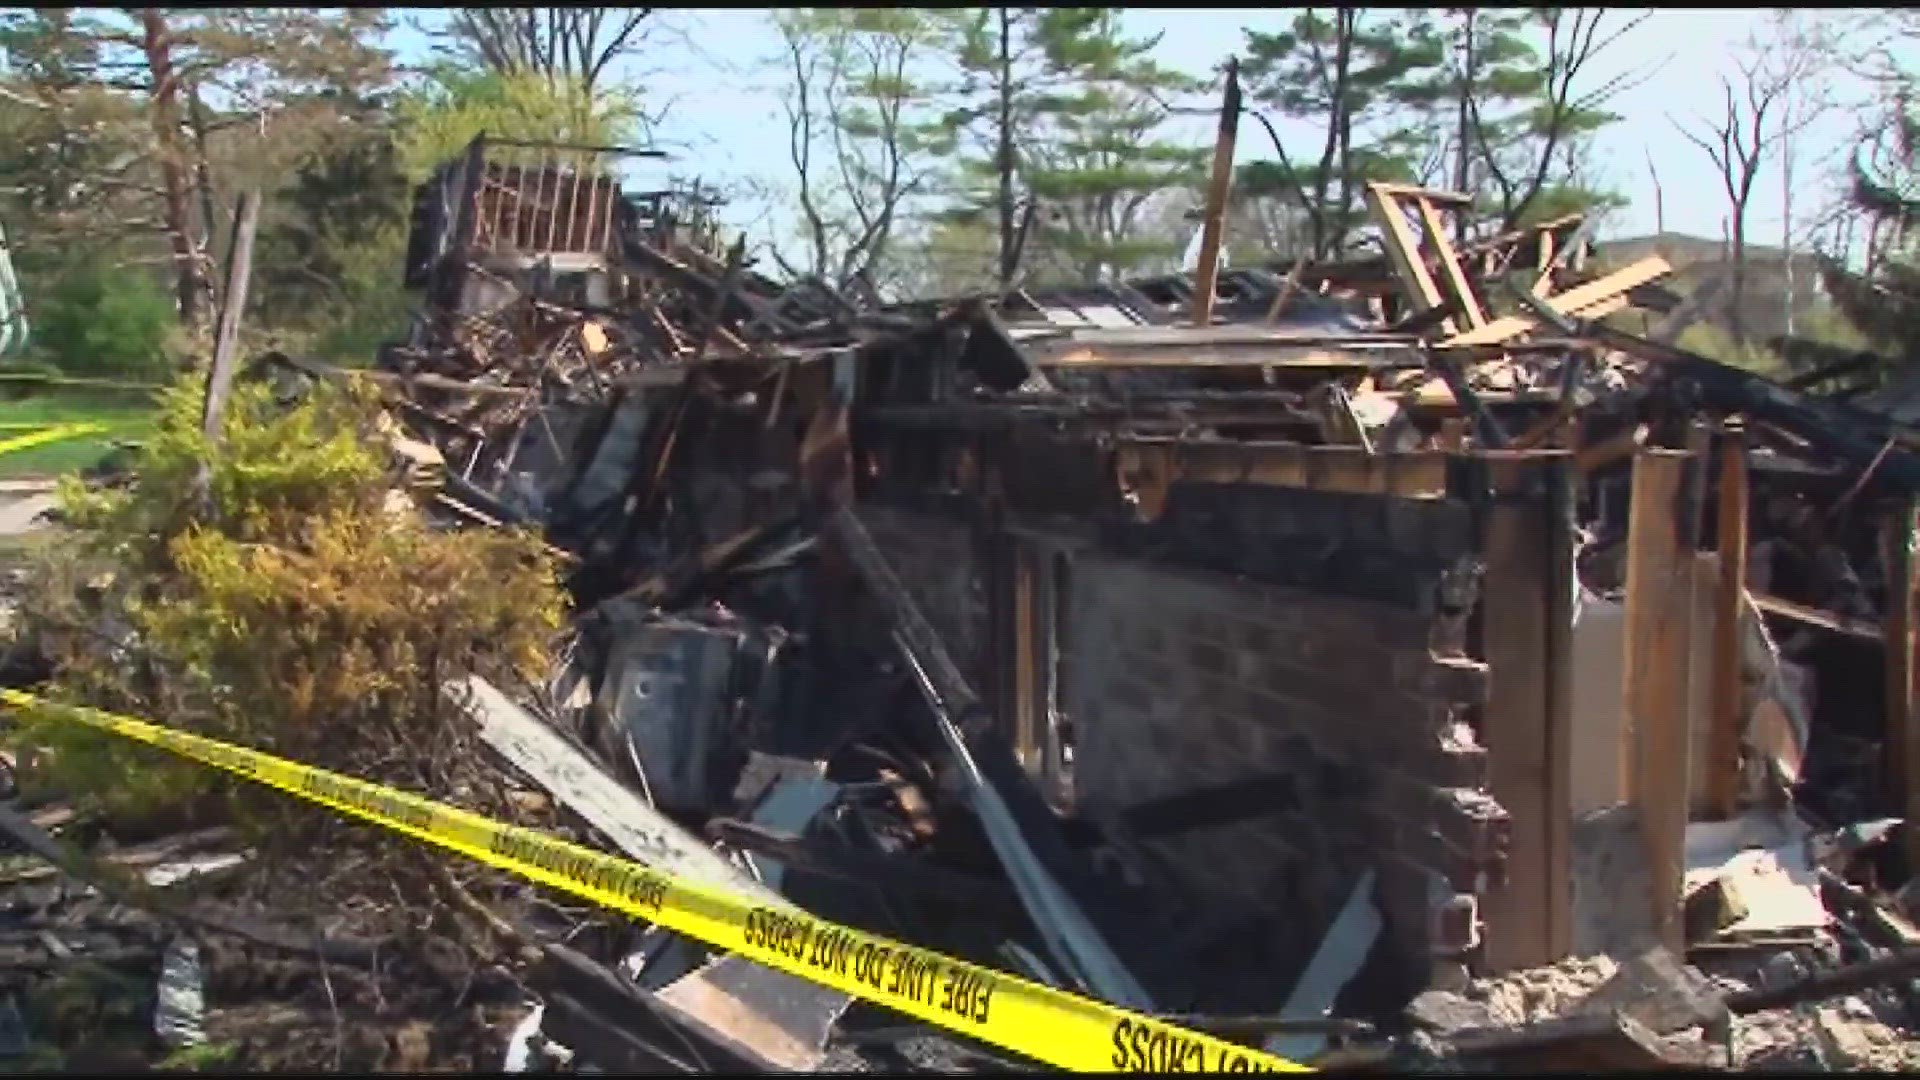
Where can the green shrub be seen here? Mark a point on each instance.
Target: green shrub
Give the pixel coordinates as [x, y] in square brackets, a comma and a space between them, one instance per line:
[103, 321]
[280, 603]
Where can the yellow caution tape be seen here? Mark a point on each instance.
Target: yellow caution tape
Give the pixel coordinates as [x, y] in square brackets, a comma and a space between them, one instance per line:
[47, 435]
[1064, 1030]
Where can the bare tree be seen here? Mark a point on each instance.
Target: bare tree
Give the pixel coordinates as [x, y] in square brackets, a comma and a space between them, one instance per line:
[1752, 125]
[1561, 111]
[563, 43]
[854, 136]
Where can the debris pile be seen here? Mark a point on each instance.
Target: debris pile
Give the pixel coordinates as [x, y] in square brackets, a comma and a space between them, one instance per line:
[1392, 661]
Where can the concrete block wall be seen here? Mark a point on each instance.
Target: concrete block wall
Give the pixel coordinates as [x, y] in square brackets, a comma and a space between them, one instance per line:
[933, 553]
[1180, 681]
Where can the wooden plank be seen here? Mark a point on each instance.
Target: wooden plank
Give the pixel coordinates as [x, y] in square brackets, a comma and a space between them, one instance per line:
[1404, 252]
[1659, 621]
[226, 337]
[1728, 716]
[1900, 747]
[1853, 628]
[1450, 264]
[1526, 642]
[1436, 196]
[1287, 288]
[1148, 467]
[1213, 227]
[1609, 451]
[1543, 266]
[633, 826]
[1578, 301]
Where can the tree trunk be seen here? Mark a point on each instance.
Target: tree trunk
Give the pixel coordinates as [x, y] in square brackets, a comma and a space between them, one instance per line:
[189, 277]
[1004, 161]
[1737, 281]
[1786, 205]
[1462, 173]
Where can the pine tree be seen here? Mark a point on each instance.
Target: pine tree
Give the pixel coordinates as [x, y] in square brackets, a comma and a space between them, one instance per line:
[1522, 116]
[864, 134]
[1367, 80]
[1000, 92]
[1061, 104]
[1883, 301]
[1100, 153]
[134, 86]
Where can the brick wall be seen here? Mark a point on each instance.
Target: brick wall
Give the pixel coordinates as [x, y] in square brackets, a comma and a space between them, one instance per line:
[1330, 721]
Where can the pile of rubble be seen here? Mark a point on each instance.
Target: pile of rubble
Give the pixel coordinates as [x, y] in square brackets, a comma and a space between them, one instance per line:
[1326, 655]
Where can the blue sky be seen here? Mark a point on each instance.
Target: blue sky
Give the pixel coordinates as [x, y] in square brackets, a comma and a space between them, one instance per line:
[726, 122]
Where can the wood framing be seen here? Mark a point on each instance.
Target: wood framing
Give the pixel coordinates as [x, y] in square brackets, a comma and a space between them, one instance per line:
[1590, 301]
[1659, 604]
[1728, 717]
[1389, 204]
[1527, 622]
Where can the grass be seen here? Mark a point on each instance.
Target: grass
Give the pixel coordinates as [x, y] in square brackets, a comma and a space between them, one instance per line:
[204, 1057]
[126, 416]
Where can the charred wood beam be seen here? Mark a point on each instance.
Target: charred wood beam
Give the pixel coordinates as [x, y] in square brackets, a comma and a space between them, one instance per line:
[1829, 362]
[1485, 426]
[1849, 979]
[729, 285]
[993, 356]
[1855, 436]
[1080, 417]
[534, 144]
[742, 305]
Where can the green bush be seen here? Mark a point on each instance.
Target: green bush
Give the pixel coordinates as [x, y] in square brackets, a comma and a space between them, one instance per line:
[103, 321]
[279, 601]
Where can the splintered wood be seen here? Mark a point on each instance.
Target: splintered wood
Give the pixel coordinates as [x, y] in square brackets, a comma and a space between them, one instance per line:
[1659, 649]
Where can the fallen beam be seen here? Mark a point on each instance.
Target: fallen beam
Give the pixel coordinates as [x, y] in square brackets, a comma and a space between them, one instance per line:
[1580, 302]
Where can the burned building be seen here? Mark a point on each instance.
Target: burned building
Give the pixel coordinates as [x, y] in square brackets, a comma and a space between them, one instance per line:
[1228, 645]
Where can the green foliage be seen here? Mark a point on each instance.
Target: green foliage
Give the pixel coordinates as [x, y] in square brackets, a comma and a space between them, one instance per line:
[1530, 118]
[441, 118]
[1560, 199]
[200, 1057]
[1884, 303]
[332, 261]
[96, 320]
[1365, 78]
[279, 604]
[866, 134]
[1085, 106]
[257, 91]
[1717, 342]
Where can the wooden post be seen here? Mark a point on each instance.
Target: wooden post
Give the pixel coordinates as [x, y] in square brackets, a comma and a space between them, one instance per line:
[1900, 746]
[1659, 621]
[226, 338]
[1207, 275]
[1728, 717]
[1526, 640]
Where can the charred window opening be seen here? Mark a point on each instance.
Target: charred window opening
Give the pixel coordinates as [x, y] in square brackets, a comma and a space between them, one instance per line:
[1057, 763]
